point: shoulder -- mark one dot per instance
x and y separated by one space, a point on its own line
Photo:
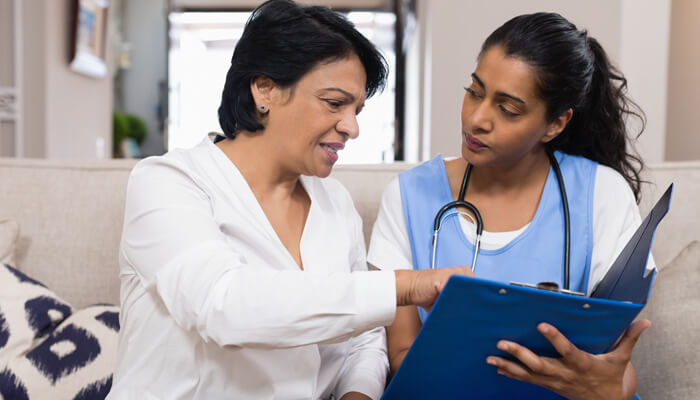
175 172
611 187
425 170
200 160
154 169
158 170
576 164
614 205
391 197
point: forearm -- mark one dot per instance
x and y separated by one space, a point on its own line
401 334
366 366
396 360
254 307
355 396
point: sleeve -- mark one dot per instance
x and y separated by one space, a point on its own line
176 248
615 219
389 247
366 368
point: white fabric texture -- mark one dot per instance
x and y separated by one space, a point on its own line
615 218
9 230
214 306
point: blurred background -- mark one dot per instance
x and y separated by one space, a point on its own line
93 79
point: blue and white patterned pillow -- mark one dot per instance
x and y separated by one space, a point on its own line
48 350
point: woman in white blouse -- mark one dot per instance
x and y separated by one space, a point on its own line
243 274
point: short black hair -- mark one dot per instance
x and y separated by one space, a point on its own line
283 41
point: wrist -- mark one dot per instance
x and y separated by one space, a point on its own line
403 287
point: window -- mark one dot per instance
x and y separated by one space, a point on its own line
201 46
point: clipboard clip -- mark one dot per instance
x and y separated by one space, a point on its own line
549 286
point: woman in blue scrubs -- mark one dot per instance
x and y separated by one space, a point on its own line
541 88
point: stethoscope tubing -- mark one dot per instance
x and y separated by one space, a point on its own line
480 223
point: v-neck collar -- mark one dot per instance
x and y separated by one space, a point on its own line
236 179
455 225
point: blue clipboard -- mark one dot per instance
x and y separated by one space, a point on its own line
448 358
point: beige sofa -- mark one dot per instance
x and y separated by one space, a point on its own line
70 217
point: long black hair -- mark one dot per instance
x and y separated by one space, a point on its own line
573 71
283 41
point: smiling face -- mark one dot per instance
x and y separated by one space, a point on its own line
308 125
503 120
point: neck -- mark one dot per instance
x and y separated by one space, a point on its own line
260 165
512 176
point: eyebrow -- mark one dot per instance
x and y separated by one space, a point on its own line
503 94
346 93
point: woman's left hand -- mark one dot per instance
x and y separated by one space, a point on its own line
577 374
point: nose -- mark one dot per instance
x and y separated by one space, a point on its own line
348 125
476 116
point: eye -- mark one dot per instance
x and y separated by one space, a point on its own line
335 104
473 93
507 112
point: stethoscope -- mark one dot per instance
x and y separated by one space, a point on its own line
480 223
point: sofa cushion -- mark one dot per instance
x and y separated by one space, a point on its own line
9 230
666 356
48 350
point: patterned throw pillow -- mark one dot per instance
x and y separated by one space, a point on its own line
9 230
48 350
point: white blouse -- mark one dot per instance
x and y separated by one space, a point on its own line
615 219
213 306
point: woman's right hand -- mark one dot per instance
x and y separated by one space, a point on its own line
421 288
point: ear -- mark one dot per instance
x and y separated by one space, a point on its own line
555 127
261 87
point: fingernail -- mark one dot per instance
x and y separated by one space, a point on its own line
490 361
503 346
544 328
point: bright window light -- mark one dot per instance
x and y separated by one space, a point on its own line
201 46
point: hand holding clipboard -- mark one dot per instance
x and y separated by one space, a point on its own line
447 359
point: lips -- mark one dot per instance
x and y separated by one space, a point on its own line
472 143
331 150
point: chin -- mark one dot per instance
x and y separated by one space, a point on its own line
321 171
467 155
475 159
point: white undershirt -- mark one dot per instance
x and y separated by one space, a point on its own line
615 219
213 306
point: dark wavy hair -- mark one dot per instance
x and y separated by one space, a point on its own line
283 41
573 71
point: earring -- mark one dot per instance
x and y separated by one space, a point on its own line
262 108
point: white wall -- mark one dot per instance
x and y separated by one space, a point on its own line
645 32
683 123
35 77
79 107
65 113
8 114
458 28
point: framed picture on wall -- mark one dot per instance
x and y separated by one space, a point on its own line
89 38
